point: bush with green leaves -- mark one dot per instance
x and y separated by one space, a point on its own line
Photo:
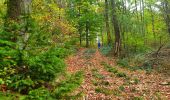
8 53
61 52
27 64
45 66
22 70
67 86
39 94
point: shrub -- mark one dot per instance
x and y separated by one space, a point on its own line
45 66
69 85
23 85
60 52
39 94
8 55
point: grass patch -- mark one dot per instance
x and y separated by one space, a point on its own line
137 98
121 88
89 51
105 50
136 80
96 74
116 92
69 85
11 96
104 91
121 74
109 68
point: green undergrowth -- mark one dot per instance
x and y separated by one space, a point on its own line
105 50
145 65
67 86
63 90
89 53
11 96
113 70
104 91
96 74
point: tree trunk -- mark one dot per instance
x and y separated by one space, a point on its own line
12 16
13 9
167 14
79 26
117 45
87 34
107 22
153 23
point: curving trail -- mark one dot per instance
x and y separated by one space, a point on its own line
102 84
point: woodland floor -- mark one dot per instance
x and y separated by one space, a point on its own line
102 83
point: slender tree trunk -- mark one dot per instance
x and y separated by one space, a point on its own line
123 29
107 22
117 45
87 34
102 37
79 26
167 14
79 30
153 23
136 6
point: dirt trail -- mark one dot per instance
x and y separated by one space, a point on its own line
102 84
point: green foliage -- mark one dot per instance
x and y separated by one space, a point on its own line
121 74
89 51
137 98
110 68
97 74
67 86
39 94
11 96
60 52
8 55
104 91
123 62
105 50
136 80
122 88
25 64
23 85
46 66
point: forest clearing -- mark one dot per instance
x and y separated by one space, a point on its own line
84 50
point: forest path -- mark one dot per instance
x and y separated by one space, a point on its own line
104 80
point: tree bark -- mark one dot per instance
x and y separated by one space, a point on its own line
153 22
12 17
167 14
87 34
13 9
107 22
117 45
